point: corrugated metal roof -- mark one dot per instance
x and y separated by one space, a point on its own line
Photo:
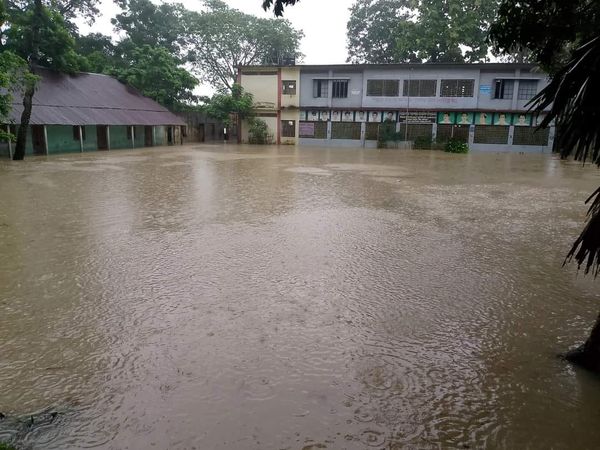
90 99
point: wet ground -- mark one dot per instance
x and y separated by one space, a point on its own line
262 298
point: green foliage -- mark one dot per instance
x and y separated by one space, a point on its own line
387 133
11 70
156 74
258 131
222 39
456 146
279 5
40 36
551 30
225 106
395 31
145 23
423 143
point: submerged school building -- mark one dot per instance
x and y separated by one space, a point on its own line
344 105
88 112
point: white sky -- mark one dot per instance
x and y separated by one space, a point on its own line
322 21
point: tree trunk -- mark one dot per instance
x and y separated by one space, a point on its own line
588 355
19 154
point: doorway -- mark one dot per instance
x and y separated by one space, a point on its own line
148 141
201 132
102 137
170 135
38 139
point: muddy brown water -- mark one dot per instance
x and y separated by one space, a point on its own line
215 297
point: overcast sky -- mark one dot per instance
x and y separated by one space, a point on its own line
323 23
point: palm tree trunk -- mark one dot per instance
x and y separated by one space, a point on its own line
588 355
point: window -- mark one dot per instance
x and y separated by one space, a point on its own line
530 136
383 88
76 133
288 128
504 89
340 89
320 88
527 89
289 87
419 88
457 88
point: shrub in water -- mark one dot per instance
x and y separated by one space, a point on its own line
258 131
456 146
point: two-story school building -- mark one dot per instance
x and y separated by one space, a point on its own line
344 105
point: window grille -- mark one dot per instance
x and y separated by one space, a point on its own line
527 89
530 136
320 88
419 88
340 89
504 89
457 88
289 87
491 134
345 130
288 128
383 88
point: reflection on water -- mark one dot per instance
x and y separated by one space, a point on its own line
211 297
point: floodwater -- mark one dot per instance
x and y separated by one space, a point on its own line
211 297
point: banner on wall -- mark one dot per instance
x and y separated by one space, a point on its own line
446 118
483 118
360 116
312 115
502 119
389 116
307 129
324 116
374 116
336 116
522 120
347 116
464 118
417 117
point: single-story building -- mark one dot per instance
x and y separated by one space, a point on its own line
87 112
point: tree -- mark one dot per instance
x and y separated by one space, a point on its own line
395 31
146 23
156 74
226 106
564 38
39 36
222 39
279 5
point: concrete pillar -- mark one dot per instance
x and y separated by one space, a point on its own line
9 143
471 134
132 136
329 130
434 132
108 137
551 138
80 140
153 135
45 139
511 134
363 131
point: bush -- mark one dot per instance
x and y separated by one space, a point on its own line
456 146
258 132
423 143
387 133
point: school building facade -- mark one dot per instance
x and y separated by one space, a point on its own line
88 112
344 105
